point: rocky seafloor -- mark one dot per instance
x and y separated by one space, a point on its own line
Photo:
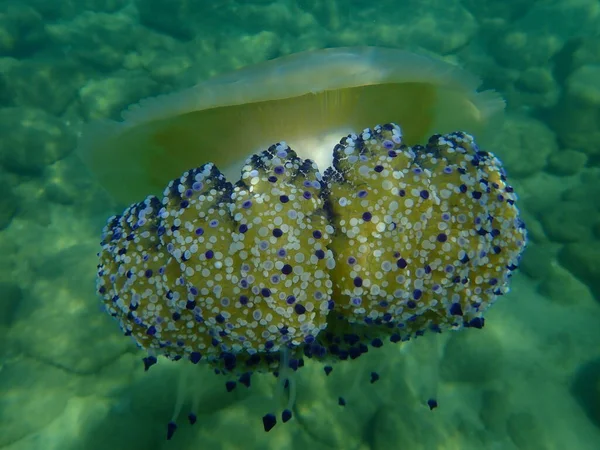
69 380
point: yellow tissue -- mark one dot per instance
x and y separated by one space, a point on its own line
307 99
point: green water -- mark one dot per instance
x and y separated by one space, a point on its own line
69 379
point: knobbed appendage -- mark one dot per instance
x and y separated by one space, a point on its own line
390 242
426 236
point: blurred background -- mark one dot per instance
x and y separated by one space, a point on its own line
70 380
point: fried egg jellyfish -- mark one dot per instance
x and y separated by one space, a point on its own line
405 230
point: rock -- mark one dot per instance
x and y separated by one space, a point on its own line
9 249
531 42
183 20
526 432
32 139
596 230
506 10
435 32
561 286
10 299
533 90
327 13
93 340
66 9
57 193
521 49
347 427
525 145
32 205
22 30
535 231
536 80
539 193
411 24
495 408
537 261
107 97
586 389
32 395
566 162
577 114
253 48
95 39
9 204
472 356
44 83
587 191
582 259
68 182
171 68
577 52
104 41
587 51
6 95
568 221
392 428
517 87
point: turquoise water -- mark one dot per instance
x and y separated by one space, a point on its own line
70 380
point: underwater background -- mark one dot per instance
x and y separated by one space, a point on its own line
69 379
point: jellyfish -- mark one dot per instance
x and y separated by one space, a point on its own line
383 237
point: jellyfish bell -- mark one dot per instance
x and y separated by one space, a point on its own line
308 99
